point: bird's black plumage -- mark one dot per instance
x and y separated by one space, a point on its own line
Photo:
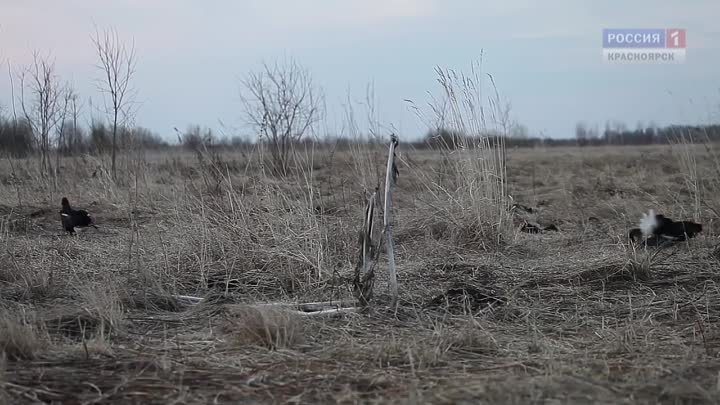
674 230
74 218
679 230
635 235
661 228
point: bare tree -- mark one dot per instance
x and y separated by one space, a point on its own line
66 103
282 103
75 140
41 97
117 63
581 133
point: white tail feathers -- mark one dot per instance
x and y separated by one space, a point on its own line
648 224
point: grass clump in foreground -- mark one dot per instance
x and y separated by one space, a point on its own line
264 326
18 339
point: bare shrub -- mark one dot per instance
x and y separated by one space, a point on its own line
283 104
41 96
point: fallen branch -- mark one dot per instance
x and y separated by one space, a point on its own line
193 300
304 309
324 312
311 306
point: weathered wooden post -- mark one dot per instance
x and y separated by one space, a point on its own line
390 181
365 268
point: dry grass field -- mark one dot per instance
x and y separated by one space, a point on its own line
572 316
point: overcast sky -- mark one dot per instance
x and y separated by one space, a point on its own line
545 56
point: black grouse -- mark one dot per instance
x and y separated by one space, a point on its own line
74 218
658 228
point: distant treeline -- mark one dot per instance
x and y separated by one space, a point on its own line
17 138
644 136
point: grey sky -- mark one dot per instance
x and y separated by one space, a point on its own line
545 55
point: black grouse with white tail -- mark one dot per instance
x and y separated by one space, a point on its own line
72 219
658 228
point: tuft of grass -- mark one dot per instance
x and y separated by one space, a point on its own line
262 326
642 261
639 266
415 353
471 190
98 345
473 338
102 306
18 339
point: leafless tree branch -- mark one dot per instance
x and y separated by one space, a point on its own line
41 96
117 63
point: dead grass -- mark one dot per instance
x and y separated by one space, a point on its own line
264 326
101 302
575 316
19 340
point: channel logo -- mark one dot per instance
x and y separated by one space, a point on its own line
644 45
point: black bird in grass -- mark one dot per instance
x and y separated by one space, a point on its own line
74 218
656 228
635 235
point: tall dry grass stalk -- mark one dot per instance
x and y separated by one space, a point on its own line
711 179
472 191
688 165
367 150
